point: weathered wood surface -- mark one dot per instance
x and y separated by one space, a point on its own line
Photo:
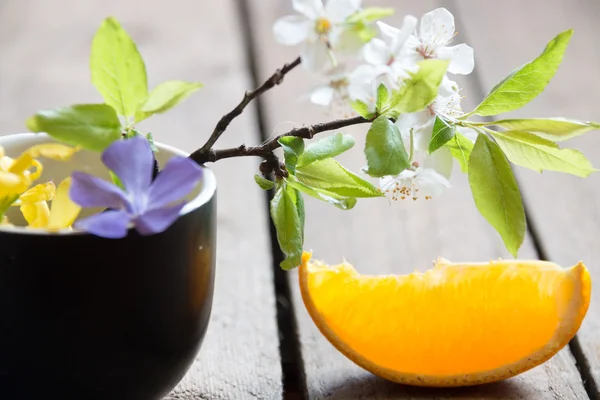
44 49
564 209
396 238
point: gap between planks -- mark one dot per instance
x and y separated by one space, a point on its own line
293 379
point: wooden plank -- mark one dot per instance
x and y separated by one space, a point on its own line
378 238
563 208
45 64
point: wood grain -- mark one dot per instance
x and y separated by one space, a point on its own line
564 209
378 237
44 48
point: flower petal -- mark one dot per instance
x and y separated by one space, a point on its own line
132 161
402 35
468 133
36 214
338 10
291 30
91 191
316 56
41 192
437 27
63 211
54 151
323 95
462 58
377 52
310 8
430 183
440 161
176 180
157 221
108 224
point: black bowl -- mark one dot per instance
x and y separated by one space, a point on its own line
82 317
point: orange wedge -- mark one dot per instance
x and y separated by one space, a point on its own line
454 325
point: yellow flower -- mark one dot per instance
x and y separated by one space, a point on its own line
17 175
61 214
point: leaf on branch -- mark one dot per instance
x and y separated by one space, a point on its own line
530 151
527 82
496 192
442 133
118 71
263 183
91 126
556 129
420 89
286 219
165 96
343 203
362 109
328 147
293 147
460 148
383 97
384 149
330 176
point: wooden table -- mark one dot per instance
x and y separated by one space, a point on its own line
261 342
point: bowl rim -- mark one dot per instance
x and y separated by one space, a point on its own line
207 192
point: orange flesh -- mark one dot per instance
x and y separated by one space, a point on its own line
451 320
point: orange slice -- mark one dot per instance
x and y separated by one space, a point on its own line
454 325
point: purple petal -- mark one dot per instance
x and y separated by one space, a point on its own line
158 220
90 191
176 180
108 224
133 162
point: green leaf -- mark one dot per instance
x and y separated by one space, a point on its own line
442 133
496 192
530 151
118 71
383 96
461 149
91 126
384 148
343 203
293 147
330 176
527 82
556 129
362 109
264 184
328 147
299 201
284 213
420 89
370 14
165 96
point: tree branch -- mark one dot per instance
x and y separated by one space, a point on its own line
274 80
265 150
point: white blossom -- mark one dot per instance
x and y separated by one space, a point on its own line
318 27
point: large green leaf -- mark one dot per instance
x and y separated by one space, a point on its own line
166 96
496 192
293 147
420 89
442 133
330 176
328 147
286 219
118 71
384 149
527 82
91 126
555 129
343 203
530 151
461 149
362 109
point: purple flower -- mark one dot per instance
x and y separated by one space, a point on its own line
146 204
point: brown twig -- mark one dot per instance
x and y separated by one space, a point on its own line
274 80
265 150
